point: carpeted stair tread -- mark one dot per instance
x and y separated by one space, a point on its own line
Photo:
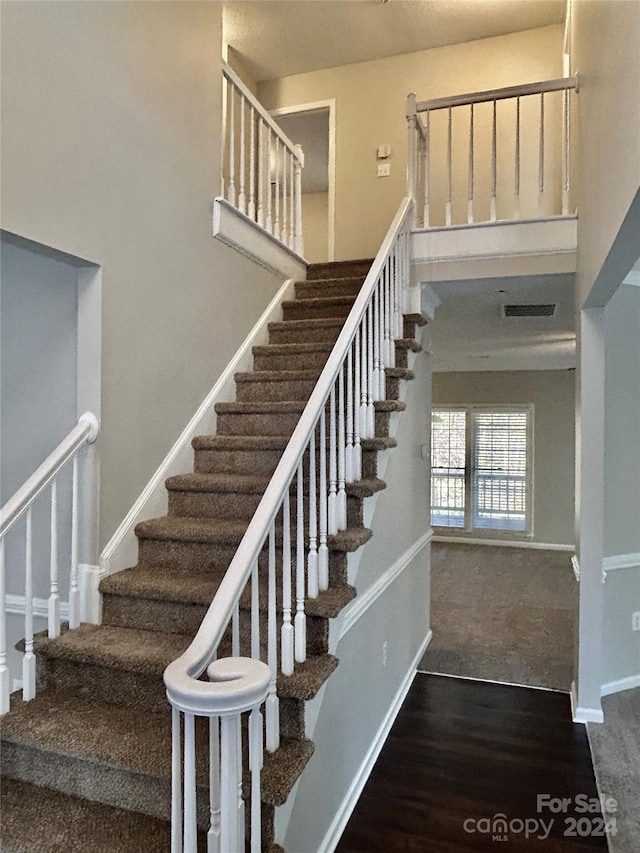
225 531
143 652
418 319
330 601
40 820
329 269
112 735
329 323
159 583
381 442
318 302
365 488
276 375
399 373
389 406
350 539
282 768
262 407
307 678
240 442
408 344
245 483
294 349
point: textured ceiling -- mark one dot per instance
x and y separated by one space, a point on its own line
280 37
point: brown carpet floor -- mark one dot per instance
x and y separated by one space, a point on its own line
502 614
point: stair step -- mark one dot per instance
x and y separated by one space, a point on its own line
305 331
307 678
331 269
267 385
39 820
317 307
113 665
282 769
258 418
341 286
310 356
238 454
215 495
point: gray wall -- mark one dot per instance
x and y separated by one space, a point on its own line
552 394
111 118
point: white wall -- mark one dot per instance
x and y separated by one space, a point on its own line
111 119
552 394
370 110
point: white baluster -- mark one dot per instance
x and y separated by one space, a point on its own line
300 622
390 349
252 163
235 632
213 835
517 166
255 763
242 198
54 597
228 784
276 159
565 153
348 456
286 637
470 200
332 523
541 159
190 819
232 146
342 495
255 611
269 222
74 589
371 429
5 689
364 371
299 247
29 660
261 173
377 363
312 560
427 190
323 550
272 708
449 172
240 824
494 164
382 384
356 454
176 783
285 197
292 204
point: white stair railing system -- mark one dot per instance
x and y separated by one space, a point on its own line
85 432
262 168
282 559
495 152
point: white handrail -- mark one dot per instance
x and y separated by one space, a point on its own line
539 88
84 432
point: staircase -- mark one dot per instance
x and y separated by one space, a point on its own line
87 764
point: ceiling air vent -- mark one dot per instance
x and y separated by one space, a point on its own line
548 310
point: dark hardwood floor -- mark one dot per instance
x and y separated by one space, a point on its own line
463 751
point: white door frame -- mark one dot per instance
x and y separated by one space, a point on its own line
330 103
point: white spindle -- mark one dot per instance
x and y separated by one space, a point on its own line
74 588
364 370
276 161
300 622
286 640
252 163
255 611
240 824
517 168
323 550
494 162
235 631
285 198
176 783
262 173
377 363
342 495
255 760
312 559
190 818
242 198
54 597
299 247
348 456
272 704
29 660
5 690
292 204
382 383
470 198
213 835
356 454
228 784
541 159
232 147
565 153
390 350
427 190
332 522
449 170
370 387
269 222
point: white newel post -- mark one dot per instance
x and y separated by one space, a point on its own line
411 115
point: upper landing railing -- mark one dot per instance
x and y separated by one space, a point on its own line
502 154
261 167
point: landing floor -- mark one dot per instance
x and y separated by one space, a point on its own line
462 752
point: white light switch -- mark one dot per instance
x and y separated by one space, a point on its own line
384 170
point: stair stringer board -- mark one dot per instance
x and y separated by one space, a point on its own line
347 719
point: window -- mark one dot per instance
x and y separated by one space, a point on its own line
481 469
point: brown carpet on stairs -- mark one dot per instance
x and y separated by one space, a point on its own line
86 765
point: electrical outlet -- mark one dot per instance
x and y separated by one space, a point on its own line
384 170
635 621
385 653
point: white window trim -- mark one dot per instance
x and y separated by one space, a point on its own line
468 531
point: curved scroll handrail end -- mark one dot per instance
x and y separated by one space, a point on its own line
236 685
92 422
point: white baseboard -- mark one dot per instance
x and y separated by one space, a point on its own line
121 550
620 685
621 561
338 824
581 714
504 543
